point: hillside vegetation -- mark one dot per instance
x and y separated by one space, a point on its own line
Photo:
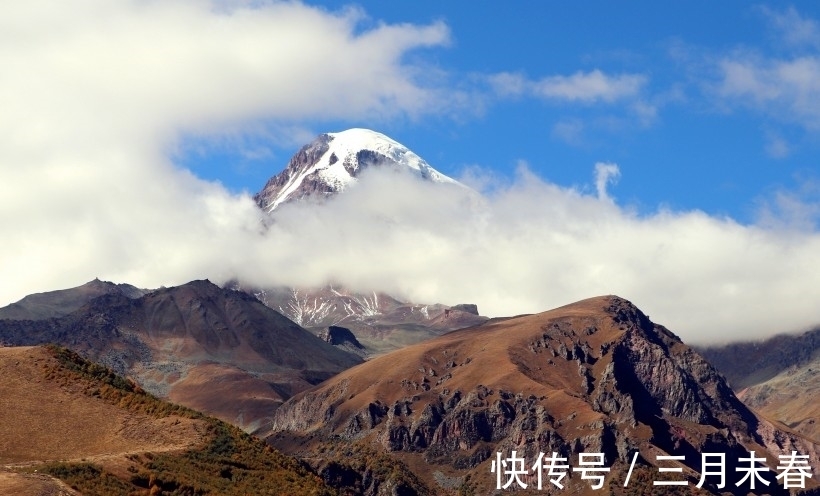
215 458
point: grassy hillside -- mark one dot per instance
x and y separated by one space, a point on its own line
224 460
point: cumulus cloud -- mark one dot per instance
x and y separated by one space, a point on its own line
532 245
96 95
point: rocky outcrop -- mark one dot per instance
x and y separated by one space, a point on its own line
344 339
337 335
466 307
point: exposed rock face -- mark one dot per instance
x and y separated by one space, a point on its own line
467 307
305 158
596 376
337 335
213 349
344 339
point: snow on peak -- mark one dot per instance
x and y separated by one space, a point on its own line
332 162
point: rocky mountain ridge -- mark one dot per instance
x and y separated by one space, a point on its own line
596 376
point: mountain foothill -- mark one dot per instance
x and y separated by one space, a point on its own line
244 388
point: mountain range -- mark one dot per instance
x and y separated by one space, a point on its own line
379 321
375 395
595 376
213 349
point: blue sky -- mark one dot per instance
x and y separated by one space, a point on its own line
681 139
665 152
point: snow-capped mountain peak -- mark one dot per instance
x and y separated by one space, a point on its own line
333 161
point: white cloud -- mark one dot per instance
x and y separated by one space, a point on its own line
583 87
96 95
786 89
792 209
624 92
590 87
784 86
531 246
509 84
776 146
605 173
793 27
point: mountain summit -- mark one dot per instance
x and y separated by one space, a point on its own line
333 161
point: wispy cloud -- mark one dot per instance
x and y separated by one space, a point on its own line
792 27
784 87
788 90
619 98
605 173
582 87
570 131
794 209
776 146
590 87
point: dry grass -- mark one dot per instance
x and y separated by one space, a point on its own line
103 435
44 416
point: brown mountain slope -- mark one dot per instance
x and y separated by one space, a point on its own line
595 376
216 350
791 397
64 301
44 419
779 377
19 484
101 434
